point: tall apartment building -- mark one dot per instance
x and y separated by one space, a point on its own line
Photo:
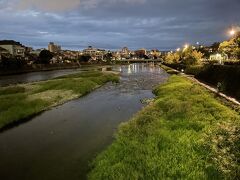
54 48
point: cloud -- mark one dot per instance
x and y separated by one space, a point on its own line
163 24
109 3
64 5
48 5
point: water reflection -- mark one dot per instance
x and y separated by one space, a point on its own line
150 67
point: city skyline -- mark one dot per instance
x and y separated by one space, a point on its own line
112 24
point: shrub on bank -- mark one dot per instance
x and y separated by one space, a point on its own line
234 63
194 70
177 66
12 63
228 76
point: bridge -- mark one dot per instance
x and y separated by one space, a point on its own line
142 60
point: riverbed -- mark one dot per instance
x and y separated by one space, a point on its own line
60 143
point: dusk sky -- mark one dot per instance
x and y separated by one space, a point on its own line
113 24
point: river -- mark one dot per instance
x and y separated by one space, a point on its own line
60 143
42 75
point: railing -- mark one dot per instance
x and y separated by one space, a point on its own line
141 60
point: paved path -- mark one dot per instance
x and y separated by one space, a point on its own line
211 89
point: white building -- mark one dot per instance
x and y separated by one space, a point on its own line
218 57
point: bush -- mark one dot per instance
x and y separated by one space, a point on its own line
12 62
84 58
194 70
177 66
236 63
228 76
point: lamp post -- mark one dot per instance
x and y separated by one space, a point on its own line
186 46
232 32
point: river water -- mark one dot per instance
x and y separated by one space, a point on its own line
60 143
42 75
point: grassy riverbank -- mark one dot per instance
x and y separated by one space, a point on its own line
22 101
185 134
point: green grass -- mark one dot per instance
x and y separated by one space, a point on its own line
185 134
22 101
169 70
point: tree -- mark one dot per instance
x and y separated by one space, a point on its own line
12 62
193 58
215 47
108 57
45 56
205 51
231 48
172 58
84 58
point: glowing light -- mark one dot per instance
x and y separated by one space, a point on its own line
178 49
186 46
232 32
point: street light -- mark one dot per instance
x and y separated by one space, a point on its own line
186 46
232 32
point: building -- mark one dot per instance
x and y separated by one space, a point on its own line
116 56
70 55
125 53
218 57
3 52
54 48
141 53
96 54
13 47
90 51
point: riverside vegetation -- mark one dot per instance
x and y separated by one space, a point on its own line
19 102
186 133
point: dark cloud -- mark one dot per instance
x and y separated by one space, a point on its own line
111 24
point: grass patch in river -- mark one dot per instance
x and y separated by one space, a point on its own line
185 134
22 101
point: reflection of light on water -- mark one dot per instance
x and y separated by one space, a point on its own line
141 68
133 68
129 69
